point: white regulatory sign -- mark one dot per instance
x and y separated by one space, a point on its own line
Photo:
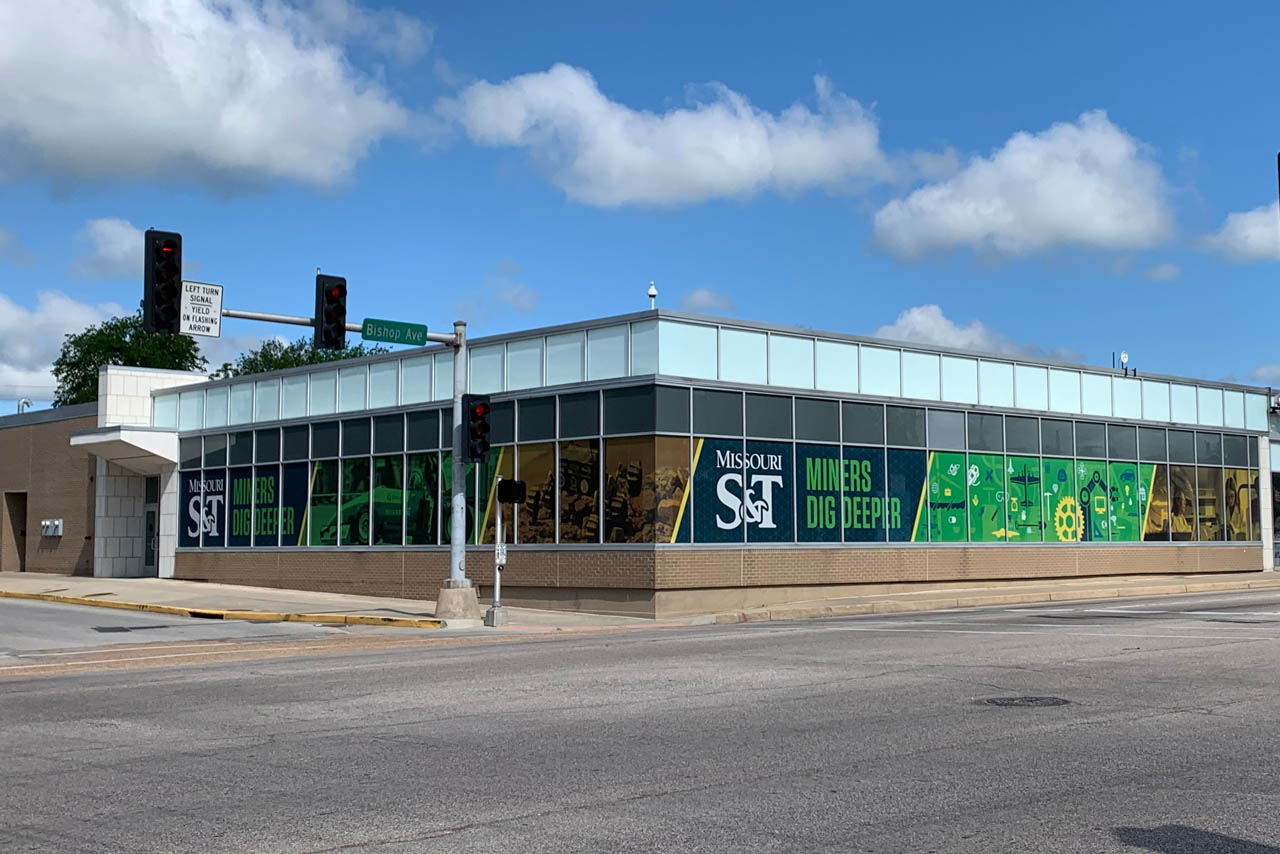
201 309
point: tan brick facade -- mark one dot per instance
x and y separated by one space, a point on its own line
39 468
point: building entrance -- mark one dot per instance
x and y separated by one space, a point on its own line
13 545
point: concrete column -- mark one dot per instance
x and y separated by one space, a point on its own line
167 528
1264 503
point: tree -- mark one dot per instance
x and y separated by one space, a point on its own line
275 354
117 341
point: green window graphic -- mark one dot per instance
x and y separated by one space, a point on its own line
267 515
863 509
818 493
986 498
1024 507
322 516
388 500
1127 495
947 517
422 473
355 503
1060 508
1091 486
1155 501
240 513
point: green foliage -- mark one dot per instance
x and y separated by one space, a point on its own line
118 341
275 354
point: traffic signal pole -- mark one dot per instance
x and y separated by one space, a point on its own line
458 505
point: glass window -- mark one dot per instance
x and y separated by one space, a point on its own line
1128 397
499 463
644 347
995 383
1255 413
215 407
1151 445
1031 387
1252 442
1235 450
297 443
267 405
921 376
164 411
293 400
718 490
607 352
1122 442
189 455
791 361
686 349
769 416
446 499
442 384
388 500
1182 446
214 488
959 379
629 410
986 432
717 412
1156 509
1022 434
324 439
1237 498
415 380
904 425
537 468
324 390
629 477
907 482
987 522
1091 480
1057 438
1209 504
1155 400
1209 404
818 420
1060 509
1233 409
579 491
1182 402
322 516
766 485
242 407
240 448
384 384
267 445
1126 509
670 487
836 366
564 358
672 409
191 410
215 450
295 481
881 372
744 356
355 529
1095 394
1208 448
524 364
353 388
580 414
1182 502
422 430
1026 519
1091 439
948 521
819 508
863 502
502 423
537 418
486 368
388 434
864 424
267 516
1064 390
355 438
421 498
946 429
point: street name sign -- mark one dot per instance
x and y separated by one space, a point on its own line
393 331
201 309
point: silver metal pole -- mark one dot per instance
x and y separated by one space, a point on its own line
499 549
458 532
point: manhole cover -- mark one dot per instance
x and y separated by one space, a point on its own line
1024 702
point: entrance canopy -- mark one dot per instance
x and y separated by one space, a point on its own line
142 450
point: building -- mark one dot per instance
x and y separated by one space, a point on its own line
675 464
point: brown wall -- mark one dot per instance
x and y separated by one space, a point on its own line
58 480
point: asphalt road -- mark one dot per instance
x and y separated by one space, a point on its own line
853 735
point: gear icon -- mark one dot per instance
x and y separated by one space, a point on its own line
1066 520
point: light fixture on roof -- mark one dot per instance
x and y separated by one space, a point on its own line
653 296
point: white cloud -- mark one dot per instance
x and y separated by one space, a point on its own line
1083 183
1249 236
706 300
926 324
502 290
225 91
1268 373
113 250
1163 273
12 250
30 339
605 153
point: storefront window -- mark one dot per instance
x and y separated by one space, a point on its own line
717 491
214 525
1209 504
670 486
1024 507
1091 482
580 491
355 527
1236 500
322 515
1182 503
422 484
295 481
630 503
388 500
266 508
906 479
240 518
948 521
1061 506
536 465
862 505
500 462
190 508
446 499
1126 511
987 523
767 493
1156 512
818 504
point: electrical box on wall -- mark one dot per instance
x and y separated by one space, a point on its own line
51 527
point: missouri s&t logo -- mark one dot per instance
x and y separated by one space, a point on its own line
755 506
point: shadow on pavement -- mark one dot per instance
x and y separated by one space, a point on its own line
1179 839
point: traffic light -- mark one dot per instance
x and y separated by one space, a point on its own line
161 281
476 423
331 312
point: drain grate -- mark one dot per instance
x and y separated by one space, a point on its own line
1024 702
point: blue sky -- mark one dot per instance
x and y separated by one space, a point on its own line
1070 181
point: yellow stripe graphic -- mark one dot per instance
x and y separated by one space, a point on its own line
688 488
924 494
306 510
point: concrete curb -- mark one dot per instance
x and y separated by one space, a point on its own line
971 600
228 614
